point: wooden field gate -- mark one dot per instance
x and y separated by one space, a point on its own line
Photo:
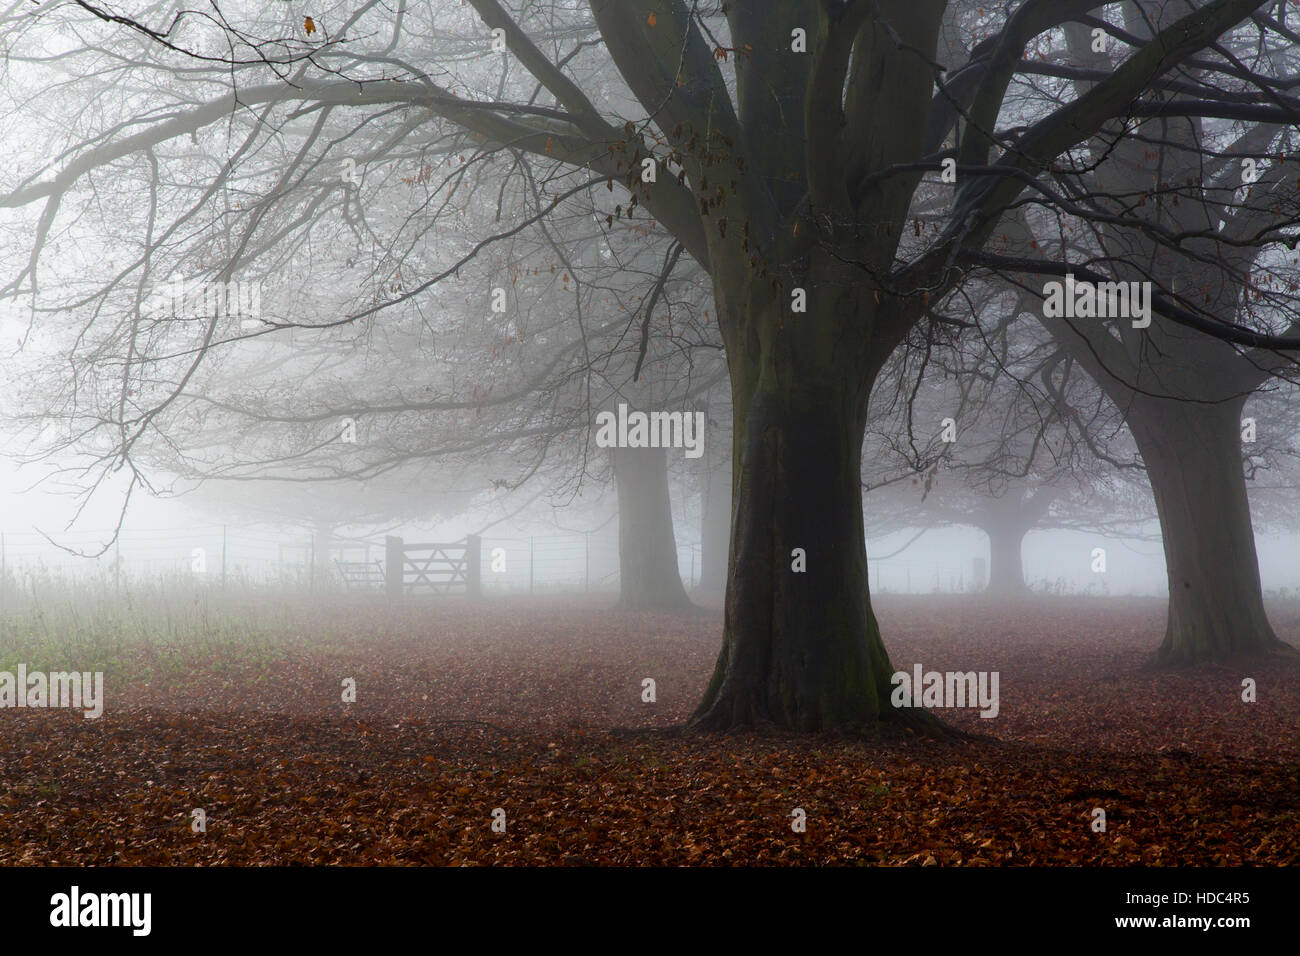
433 568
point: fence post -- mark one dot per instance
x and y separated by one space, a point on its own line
474 566
394 566
586 561
530 565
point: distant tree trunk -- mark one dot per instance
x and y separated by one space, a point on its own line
1006 520
715 532
647 548
1006 567
1193 458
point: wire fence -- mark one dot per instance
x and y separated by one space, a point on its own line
910 577
209 555
260 559
263 559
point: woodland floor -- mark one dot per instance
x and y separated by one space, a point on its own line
534 706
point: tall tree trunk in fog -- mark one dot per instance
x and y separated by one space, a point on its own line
793 248
715 529
1192 453
1182 391
647 547
806 335
801 646
1006 568
1193 458
1006 520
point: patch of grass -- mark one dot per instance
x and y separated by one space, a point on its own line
152 634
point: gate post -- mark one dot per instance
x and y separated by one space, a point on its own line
394 567
474 566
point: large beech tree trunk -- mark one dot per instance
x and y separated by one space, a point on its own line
1193 458
647 547
800 648
799 236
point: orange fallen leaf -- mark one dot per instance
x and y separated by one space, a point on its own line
309 25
